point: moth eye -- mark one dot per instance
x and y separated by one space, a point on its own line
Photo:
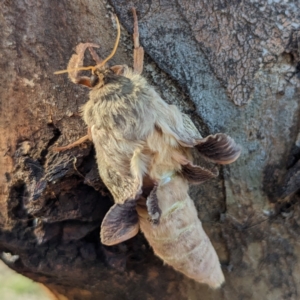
108 72
94 80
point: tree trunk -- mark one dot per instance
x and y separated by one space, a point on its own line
232 66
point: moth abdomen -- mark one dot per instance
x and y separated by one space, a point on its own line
179 239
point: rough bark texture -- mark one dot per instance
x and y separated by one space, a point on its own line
232 65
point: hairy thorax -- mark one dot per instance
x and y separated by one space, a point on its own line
125 108
120 104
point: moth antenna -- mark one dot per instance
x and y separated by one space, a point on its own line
93 68
75 69
115 47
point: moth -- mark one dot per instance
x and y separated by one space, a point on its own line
143 150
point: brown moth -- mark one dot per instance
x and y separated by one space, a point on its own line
143 149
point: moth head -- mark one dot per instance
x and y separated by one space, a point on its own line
98 72
110 76
97 77
100 77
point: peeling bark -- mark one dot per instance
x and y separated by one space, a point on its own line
232 66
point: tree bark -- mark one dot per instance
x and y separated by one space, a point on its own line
233 66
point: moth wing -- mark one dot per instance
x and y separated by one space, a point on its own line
219 148
119 224
197 174
193 173
114 159
173 122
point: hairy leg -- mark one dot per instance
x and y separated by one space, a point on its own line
76 62
83 139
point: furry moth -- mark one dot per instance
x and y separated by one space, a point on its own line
143 150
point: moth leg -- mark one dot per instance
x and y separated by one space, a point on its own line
120 223
138 52
85 138
76 61
152 206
